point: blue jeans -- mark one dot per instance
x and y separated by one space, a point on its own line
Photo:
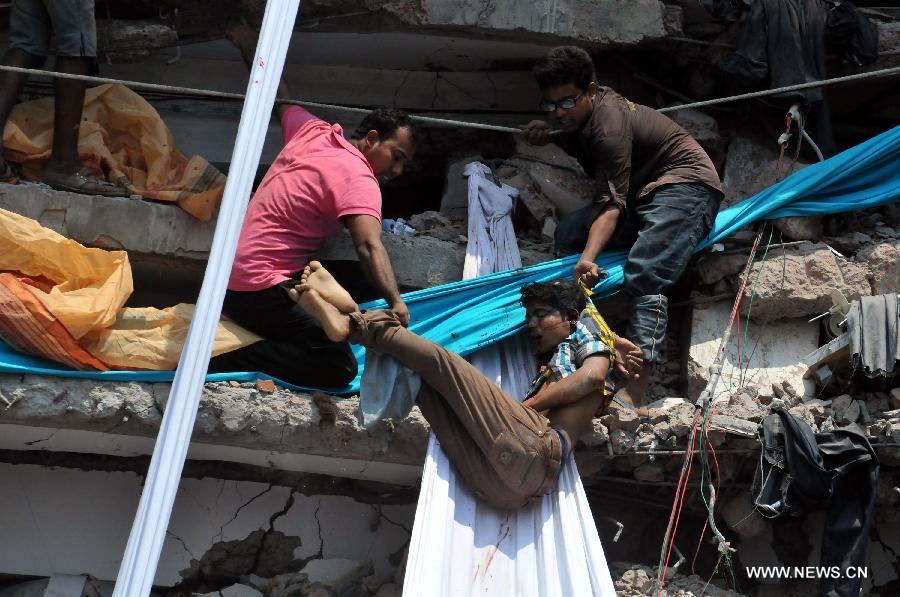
660 232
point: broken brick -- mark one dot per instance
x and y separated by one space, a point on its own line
266 386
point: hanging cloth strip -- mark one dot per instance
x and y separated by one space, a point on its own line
468 315
874 327
550 548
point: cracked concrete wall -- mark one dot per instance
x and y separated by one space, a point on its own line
134 225
77 522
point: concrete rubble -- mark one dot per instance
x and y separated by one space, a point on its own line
796 282
568 19
635 580
235 415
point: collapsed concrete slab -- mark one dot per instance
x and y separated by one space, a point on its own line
797 281
599 22
883 264
134 225
593 22
230 414
590 22
548 175
750 167
770 354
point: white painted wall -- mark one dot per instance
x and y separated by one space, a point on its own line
771 353
76 522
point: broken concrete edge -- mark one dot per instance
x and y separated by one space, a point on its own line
108 222
565 22
229 414
239 415
364 491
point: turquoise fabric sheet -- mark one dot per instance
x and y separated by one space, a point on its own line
468 315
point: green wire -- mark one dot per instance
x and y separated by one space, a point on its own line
753 294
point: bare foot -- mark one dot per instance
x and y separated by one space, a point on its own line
633 393
320 279
335 323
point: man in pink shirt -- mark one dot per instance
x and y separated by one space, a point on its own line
320 184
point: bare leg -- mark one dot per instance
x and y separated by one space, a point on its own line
320 279
11 85
67 115
63 170
633 392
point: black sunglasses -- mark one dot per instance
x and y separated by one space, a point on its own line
566 103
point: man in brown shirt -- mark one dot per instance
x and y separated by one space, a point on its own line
657 192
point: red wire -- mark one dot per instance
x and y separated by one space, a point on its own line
787 130
718 479
681 488
672 515
740 354
680 492
699 545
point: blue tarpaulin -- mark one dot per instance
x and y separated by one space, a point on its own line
468 315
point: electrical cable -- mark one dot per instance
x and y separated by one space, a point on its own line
429 119
675 513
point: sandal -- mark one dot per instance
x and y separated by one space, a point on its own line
8 174
84 182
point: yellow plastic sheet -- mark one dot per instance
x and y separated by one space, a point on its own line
123 139
85 289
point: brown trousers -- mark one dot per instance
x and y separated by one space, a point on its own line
506 453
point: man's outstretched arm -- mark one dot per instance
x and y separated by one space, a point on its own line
589 377
586 270
365 231
244 39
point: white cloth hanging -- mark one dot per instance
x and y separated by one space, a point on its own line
460 547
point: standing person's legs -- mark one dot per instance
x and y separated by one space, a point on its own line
674 219
294 348
505 451
75 31
29 30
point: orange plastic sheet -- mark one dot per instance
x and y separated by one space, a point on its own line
63 301
123 139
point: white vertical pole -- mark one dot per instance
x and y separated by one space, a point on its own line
145 542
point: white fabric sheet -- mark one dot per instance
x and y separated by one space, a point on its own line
460 547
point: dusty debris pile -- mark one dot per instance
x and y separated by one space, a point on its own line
633 580
670 420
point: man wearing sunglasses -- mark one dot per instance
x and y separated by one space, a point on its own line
657 192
